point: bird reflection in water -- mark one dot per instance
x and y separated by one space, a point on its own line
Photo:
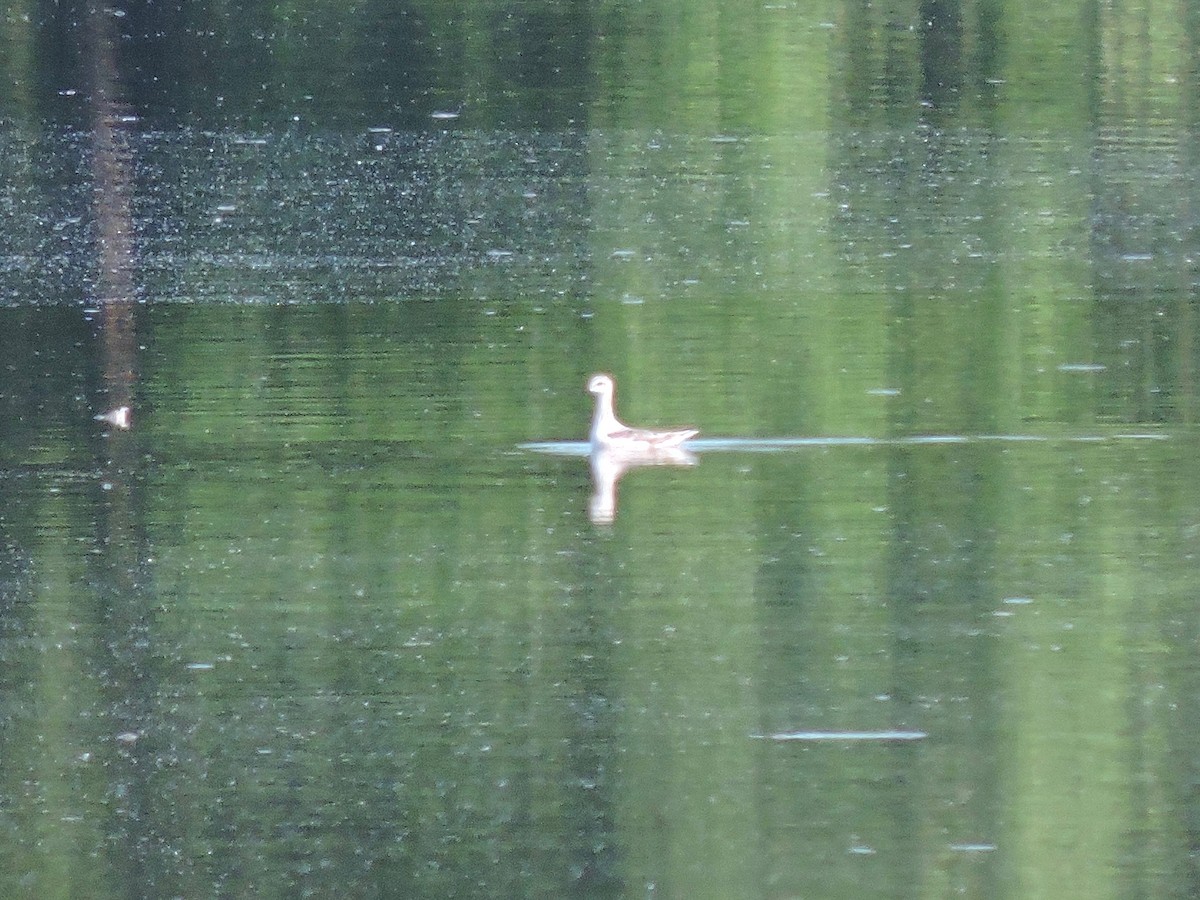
608 466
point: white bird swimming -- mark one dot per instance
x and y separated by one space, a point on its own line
610 434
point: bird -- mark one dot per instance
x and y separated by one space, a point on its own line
609 434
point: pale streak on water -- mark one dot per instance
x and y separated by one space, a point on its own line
817 736
783 444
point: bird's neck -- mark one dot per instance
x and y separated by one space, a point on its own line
605 420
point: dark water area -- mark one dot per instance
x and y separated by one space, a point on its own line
518 66
310 584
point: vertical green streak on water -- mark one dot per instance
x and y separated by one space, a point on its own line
542 678
938 586
1044 65
1047 225
1053 321
686 651
815 339
826 614
1070 665
1168 681
17 41
55 870
657 65
1139 49
65 797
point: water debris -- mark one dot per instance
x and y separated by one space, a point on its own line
121 417
884 392
1082 367
840 736
622 254
443 115
199 666
973 848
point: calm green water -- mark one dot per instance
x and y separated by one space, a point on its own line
346 613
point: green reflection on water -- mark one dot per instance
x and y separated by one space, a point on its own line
306 621
317 622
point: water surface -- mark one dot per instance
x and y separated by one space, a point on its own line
337 614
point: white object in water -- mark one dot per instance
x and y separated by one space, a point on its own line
609 433
117 418
608 467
